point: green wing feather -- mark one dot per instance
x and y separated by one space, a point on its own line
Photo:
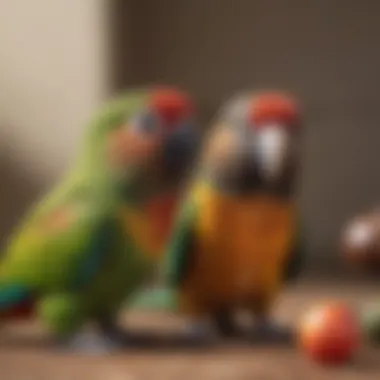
44 260
157 299
180 253
175 266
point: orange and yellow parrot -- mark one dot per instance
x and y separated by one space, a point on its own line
237 238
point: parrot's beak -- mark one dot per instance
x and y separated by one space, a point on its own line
271 149
179 150
125 148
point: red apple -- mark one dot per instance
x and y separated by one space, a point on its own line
330 333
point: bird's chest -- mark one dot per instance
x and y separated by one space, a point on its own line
127 264
243 242
140 230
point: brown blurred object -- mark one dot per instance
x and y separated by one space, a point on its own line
360 242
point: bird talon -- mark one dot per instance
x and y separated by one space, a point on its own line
200 333
270 332
91 344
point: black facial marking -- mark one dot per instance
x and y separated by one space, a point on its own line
179 151
246 179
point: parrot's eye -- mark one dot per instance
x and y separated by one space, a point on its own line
146 122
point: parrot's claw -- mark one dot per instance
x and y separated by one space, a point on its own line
226 326
113 332
200 333
269 332
90 344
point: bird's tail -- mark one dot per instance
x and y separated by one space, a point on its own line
15 302
157 299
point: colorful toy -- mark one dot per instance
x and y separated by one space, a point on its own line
360 242
88 244
330 333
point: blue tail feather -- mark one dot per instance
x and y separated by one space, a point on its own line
12 295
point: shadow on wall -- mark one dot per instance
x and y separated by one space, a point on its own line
18 190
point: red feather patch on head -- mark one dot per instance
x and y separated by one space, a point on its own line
274 106
171 104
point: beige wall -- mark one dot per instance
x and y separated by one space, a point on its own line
325 51
53 73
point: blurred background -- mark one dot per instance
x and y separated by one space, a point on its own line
59 59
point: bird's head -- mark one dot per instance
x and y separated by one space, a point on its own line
151 133
256 140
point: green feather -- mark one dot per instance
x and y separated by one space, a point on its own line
11 295
178 258
158 299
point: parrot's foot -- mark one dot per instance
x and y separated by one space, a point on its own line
113 332
270 332
200 332
90 344
225 325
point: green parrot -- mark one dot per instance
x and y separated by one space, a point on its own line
238 236
87 246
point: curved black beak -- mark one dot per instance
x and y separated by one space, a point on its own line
179 152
